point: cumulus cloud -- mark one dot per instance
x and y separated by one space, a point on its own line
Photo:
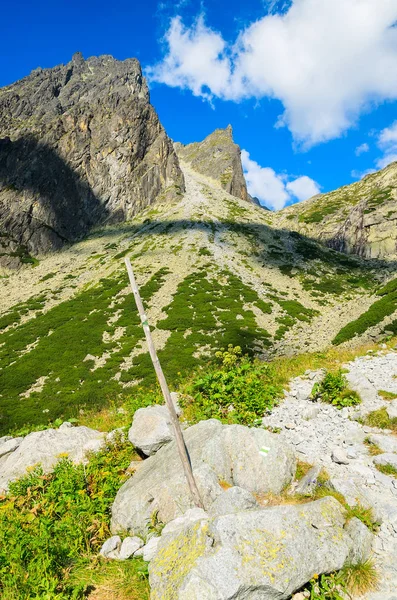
362 149
273 190
326 61
387 142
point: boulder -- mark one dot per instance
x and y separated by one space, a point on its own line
151 428
10 445
339 456
253 459
233 500
265 553
45 448
149 550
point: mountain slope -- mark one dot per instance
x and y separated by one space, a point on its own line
357 219
213 270
80 144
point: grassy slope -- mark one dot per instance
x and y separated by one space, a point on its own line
212 270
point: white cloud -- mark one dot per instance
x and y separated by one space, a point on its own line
362 149
272 189
387 142
325 60
303 188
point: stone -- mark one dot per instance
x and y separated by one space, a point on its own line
339 456
80 144
386 443
151 428
269 553
190 517
109 547
253 459
308 482
233 500
391 409
129 546
45 448
149 550
386 459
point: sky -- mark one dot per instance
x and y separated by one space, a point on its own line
309 86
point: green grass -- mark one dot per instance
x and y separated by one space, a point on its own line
334 390
79 324
52 527
380 309
387 470
387 395
380 418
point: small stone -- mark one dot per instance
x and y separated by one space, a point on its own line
110 546
339 456
65 425
148 551
129 546
290 426
392 410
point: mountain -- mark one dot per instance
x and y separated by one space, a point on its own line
213 269
217 157
80 144
357 219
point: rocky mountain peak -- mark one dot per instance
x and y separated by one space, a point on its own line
80 144
218 157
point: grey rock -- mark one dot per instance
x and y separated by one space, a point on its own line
392 409
110 546
339 456
386 443
253 459
266 553
308 483
149 551
10 445
190 517
386 459
129 546
217 157
80 144
44 448
233 500
151 428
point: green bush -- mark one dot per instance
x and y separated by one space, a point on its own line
237 390
52 525
333 389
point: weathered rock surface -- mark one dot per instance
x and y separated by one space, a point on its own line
45 448
386 459
265 553
219 453
79 144
152 428
358 219
217 157
233 500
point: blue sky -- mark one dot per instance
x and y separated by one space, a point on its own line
309 86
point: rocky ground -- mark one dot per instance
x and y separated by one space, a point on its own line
326 436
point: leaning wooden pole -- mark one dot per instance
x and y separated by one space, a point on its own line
180 442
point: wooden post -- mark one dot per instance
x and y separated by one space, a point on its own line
180 442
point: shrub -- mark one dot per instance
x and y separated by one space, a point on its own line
52 525
333 390
237 390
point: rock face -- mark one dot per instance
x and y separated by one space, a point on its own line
266 553
357 219
44 448
80 144
252 459
217 157
151 428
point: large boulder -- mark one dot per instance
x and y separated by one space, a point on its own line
253 459
266 553
45 448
